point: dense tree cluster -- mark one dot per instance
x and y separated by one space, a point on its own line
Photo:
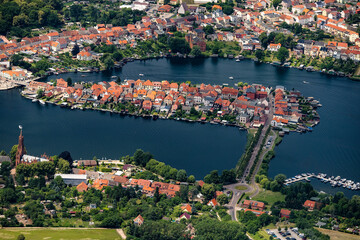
18 17
253 223
227 177
286 41
91 15
211 229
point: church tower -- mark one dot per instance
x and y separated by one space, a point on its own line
21 149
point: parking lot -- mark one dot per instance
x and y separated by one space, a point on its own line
290 234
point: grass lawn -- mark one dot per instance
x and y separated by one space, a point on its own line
335 235
260 235
269 196
252 131
59 234
240 188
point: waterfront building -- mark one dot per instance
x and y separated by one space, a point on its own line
73 179
22 157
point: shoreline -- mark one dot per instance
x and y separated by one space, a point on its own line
145 116
123 62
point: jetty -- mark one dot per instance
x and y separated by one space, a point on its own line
334 181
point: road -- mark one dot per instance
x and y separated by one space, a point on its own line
252 186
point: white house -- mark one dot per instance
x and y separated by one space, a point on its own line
84 56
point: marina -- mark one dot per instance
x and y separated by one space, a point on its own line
334 181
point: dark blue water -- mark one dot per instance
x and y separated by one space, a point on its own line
332 148
197 148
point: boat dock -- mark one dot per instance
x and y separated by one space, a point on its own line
334 181
298 178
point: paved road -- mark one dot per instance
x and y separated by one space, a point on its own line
252 187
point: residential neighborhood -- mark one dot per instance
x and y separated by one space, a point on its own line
245 26
244 106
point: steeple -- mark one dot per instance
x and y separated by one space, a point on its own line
21 149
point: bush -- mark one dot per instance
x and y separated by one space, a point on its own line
105 170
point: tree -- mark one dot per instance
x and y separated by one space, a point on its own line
76 12
69 81
191 179
213 177
40 93
57 184
63 166
21 237
222 199
156 195
181 175
228 176
177 44
280 178
117 56
108 62
75 49
3 153
264 40
196 51
208 29
228 10
42 65
5 169
12 153
7 195
208 190
111 222
259 54
276 3
67 156
282 54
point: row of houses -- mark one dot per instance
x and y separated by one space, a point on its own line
80 178
247 102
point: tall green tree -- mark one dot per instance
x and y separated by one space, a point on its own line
282 54
181 175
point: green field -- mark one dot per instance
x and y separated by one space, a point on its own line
336 235
59 234
269 196
260 235
240 188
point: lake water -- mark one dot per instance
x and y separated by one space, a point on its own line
332 148
197 148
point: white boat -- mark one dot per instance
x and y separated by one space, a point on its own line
42 102
141 75
305 82
34 100
113 76
237 60
231 78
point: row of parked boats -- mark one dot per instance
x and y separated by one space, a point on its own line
339 182
334 181
42 102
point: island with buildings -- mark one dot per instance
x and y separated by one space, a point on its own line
245 106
